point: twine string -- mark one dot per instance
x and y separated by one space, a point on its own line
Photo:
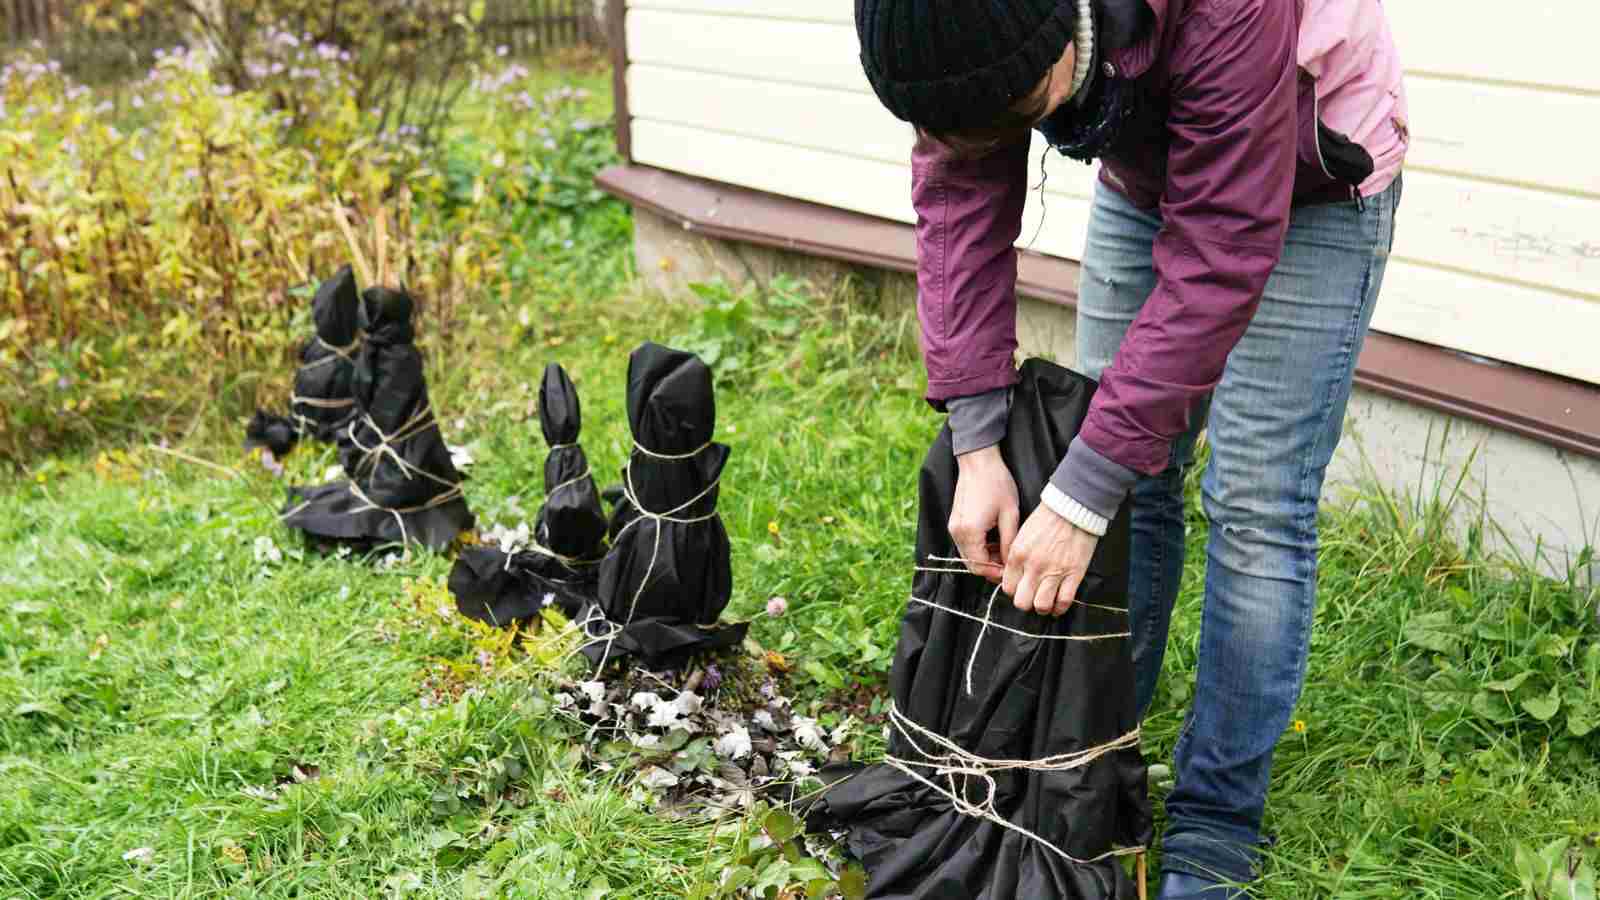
987 620
955 765
960 561
631 496
345 352
373 456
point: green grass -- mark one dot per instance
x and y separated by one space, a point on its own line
293 728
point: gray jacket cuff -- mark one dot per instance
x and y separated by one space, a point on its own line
1093 480
979 421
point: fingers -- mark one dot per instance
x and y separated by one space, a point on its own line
1010 523
1066 594
972 541
1015 566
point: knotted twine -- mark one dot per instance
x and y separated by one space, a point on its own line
346 353
955 764
987 619
371 457
671 515
952 762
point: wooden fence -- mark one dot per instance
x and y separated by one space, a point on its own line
528 27
524 27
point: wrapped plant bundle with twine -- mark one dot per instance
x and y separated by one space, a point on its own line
401 485
561 563
1013 767
667 577
321 403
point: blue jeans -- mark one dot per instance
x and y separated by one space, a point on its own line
1274 421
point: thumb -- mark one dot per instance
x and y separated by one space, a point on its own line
1010 522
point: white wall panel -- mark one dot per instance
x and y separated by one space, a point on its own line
1498 247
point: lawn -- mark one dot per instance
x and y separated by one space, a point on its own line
190 706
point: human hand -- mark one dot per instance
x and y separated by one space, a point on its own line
1047 563
986 498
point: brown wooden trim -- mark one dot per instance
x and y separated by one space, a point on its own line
617 35
1546 408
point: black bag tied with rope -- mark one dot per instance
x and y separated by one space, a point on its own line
402 486
1013 767
502 585
320 403
668 576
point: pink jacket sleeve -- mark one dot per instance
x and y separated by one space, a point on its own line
969 214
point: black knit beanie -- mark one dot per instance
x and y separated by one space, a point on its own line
945 65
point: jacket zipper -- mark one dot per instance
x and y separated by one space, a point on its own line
1316 116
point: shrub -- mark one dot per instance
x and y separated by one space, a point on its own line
156 243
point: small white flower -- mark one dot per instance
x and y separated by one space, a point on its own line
735 744
595 691
460 457
665 715
645 700
333 473
140 854
267 551
765 720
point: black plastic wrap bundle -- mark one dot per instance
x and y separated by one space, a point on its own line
493 585
321 403
402 486
972 701
667 576
571 523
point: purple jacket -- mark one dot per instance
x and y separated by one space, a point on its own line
1246 84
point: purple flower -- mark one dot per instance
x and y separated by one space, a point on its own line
501 50
270 463
713 678
63 383
777 606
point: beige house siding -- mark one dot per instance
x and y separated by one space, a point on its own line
1498 252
